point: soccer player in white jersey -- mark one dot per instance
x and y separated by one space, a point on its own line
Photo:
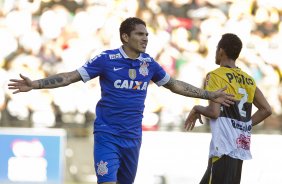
230 126
124 74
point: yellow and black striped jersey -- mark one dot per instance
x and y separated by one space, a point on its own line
240 84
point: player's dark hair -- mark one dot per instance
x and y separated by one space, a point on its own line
128 25
231 44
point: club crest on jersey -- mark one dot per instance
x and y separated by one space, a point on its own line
102 168
143 70
132 74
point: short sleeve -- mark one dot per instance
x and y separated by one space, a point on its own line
92 68
160 77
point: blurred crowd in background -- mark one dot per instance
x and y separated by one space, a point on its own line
44 37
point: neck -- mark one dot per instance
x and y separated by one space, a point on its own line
228 63
130 53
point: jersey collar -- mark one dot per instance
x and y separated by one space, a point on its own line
126 56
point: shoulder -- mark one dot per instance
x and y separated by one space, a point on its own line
219 70
147 58
248 78
213 73
108 54
113 54
246 74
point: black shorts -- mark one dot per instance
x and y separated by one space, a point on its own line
223 170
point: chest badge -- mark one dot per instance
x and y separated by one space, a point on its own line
143 70
132 74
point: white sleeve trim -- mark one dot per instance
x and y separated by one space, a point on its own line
164 80
83 73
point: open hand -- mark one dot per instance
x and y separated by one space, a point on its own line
223 98
20 85
191 120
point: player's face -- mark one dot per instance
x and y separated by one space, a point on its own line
138 39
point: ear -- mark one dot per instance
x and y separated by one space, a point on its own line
221 52
124 37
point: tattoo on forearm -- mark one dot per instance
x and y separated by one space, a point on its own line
206 95
191 90
49 81
185 89
194 92
197 92
40 83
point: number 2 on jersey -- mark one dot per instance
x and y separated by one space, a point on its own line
243 100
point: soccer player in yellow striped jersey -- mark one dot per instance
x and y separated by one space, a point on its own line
230 126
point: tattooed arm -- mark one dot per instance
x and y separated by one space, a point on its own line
54 81
185 89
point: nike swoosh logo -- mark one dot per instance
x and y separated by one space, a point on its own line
116 69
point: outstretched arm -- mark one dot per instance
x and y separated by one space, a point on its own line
62 79
189 90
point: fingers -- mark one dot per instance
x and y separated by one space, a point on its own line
19 80
16 83
192 125
229 102
226 104
13 87
191 121
226 99
186 124
189 125
223 89
23 77
20 85
200 119
17 91
13 84
230 95
14 80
